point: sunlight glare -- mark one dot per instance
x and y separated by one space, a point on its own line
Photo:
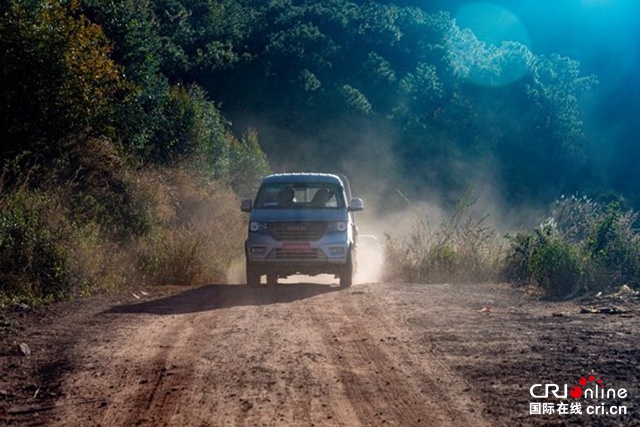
492 24
482 45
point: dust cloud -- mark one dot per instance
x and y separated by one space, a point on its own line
394 203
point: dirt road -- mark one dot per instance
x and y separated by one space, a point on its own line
317 355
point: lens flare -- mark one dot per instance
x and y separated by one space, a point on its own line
492 24
488 45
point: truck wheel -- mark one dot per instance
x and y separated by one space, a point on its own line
253 276
346 278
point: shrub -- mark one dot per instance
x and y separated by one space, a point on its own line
581 247
573 216
516 267
614 247
98 262
197 227
193 235
556 265
461 249
35 232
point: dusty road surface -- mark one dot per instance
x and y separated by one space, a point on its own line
302 354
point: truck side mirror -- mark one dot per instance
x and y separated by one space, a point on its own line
356 204
246 205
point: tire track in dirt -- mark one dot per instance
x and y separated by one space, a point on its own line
141 373
285 379
304 354
387 377
170 372
295 355
134 375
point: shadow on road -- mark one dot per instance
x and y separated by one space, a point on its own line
213 297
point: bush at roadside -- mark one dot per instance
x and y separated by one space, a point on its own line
189 231
582 247
461 249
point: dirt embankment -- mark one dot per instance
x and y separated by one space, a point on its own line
314 354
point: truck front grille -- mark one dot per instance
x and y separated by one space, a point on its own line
297 231
310 254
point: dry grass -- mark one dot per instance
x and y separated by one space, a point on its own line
197 232
189 231
462 249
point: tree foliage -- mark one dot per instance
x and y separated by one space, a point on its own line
174 82
303 67
114 69
58 77
293 69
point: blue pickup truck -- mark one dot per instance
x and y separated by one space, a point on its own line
301 223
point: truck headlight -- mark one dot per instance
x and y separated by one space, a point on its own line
338 226
257 227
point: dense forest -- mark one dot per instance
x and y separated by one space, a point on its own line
326 84
348 83
98 96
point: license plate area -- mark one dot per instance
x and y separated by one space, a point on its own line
293 247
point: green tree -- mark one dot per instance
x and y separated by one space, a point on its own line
138 47
58 77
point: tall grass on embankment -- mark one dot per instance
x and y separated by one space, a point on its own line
460 249
146 226
579 247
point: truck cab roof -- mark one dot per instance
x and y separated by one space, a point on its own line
302 177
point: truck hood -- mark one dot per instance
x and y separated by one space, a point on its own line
273 215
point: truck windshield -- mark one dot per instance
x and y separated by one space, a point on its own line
300 196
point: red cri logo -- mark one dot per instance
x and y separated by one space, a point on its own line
576 391
588 388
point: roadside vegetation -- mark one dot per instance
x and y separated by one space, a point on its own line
163 225
463 248
112 175
127 139
580 247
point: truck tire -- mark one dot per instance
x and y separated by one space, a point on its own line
346 278
253 276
